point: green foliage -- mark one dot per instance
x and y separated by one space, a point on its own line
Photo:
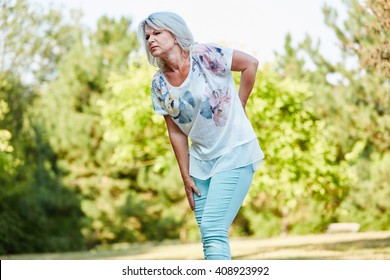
32 40
366 33
352 98
300 168
369 202
33 203
37 213
7 160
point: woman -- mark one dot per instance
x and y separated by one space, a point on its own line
195 92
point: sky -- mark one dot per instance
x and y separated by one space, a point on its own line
254 26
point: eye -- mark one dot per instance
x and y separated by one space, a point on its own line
157 32
147 37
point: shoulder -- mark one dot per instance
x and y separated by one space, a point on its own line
158 82
205 49
157 74
213 57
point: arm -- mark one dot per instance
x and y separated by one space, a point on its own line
247 65
179 143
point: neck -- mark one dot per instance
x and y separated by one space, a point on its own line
176 61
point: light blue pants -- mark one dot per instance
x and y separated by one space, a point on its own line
221 198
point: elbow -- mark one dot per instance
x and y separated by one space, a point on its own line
251 66
255 63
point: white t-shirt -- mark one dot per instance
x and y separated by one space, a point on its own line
207 108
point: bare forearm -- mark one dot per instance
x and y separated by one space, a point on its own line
247 65
248 78
179 143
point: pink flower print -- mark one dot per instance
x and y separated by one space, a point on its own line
218 104
218 96
212 58
220 114
214 62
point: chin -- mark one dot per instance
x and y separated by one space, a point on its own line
155 53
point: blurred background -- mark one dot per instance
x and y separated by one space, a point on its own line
84 161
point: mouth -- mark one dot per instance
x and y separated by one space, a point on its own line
153 48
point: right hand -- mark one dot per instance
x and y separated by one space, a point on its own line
190 189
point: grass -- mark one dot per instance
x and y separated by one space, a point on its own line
346 246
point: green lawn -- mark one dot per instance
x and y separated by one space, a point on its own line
349 246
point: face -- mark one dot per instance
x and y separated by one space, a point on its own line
159 42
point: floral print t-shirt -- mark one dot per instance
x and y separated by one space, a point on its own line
207 108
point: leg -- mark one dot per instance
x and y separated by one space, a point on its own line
226 193
200 201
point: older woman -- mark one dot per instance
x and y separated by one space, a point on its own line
195 92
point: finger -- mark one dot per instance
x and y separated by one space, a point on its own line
195 189
190 199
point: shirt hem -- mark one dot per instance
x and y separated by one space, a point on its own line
255 165
227 150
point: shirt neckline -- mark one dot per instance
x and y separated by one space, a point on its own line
185 81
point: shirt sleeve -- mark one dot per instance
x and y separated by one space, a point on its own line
158 94
227 54
215 58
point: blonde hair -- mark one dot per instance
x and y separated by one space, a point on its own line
166 21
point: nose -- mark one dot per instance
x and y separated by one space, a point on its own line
150 39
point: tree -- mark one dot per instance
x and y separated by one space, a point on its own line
352 97
33 39
72 116
37 212
366 33
300 172
33 203
8 161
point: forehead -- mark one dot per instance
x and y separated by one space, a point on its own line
149 29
